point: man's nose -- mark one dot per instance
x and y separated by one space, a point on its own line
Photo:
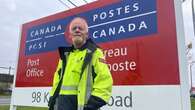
77 30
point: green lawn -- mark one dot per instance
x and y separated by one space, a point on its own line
38 108
193 103
23 108
2 94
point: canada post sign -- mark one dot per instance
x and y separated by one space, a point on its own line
117 21
130 32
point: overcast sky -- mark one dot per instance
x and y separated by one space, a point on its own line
13 14
16 12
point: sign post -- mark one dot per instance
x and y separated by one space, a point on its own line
142 41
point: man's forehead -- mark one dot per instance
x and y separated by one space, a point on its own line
78 21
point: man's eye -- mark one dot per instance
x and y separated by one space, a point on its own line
74 28
77 27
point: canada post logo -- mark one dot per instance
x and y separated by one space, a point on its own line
118 21
45 37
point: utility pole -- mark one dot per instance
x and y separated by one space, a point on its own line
9 70
193 15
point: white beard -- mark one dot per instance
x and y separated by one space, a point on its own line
78 41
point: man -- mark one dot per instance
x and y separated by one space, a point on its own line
82 87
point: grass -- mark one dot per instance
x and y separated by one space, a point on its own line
32 108
6 107
2 107
4 94
39 108
193 103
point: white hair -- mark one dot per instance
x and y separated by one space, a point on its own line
86 24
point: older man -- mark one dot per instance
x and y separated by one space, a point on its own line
82 80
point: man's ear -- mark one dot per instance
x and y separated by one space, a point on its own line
87 34
67 35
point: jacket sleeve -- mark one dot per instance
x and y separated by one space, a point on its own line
102 86
56 78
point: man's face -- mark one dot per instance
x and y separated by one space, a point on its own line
78 32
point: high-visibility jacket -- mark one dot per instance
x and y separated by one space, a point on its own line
96 79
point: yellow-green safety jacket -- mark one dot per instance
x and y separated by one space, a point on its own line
96 79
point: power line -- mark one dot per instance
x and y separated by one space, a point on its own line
6 67
72 3
64 3
85 1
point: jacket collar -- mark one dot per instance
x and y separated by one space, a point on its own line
87 44
90 45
